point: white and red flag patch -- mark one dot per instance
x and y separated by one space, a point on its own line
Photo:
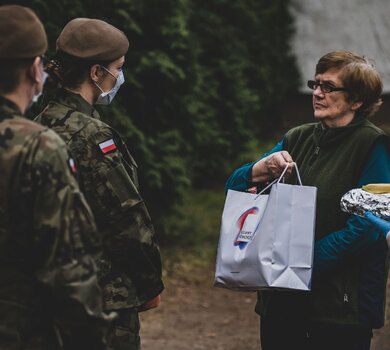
107 146
72 165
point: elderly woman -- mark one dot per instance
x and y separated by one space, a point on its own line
88 66
341 151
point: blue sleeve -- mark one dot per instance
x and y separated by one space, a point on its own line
359 233
241 178
377 169
349 241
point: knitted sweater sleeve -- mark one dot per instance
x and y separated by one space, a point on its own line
359 233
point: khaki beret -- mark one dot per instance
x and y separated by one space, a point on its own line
92 39
22 34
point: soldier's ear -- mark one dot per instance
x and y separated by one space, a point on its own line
96 73
34 72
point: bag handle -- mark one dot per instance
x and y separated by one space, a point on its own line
280 178
296 169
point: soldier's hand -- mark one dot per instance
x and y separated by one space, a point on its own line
151 304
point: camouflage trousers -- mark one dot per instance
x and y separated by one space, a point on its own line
125 333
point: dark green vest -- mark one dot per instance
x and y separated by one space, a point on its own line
332 160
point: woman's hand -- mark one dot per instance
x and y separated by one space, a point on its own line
382 225
271 167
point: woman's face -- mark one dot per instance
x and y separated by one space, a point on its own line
108 81
333 108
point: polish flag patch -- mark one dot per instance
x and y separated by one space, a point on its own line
72 165
107 146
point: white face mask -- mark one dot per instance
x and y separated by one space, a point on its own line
105 98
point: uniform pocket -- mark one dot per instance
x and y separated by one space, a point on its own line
86 232
123 187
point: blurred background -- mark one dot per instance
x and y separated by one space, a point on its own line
211 85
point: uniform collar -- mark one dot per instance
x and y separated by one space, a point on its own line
8 109
77 102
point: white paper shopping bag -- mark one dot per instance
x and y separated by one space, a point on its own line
266 241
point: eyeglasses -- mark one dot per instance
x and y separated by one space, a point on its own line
325 87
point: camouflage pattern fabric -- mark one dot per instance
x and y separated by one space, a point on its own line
49 294
130 265
125 334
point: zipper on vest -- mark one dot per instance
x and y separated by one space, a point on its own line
315 154
345 305
345 299
317 144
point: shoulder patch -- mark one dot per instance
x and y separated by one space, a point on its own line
107 146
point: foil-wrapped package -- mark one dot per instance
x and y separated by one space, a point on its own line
358 201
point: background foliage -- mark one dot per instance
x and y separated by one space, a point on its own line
203 80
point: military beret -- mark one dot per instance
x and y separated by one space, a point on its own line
22 34
92 39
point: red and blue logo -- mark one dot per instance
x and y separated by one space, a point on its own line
244 236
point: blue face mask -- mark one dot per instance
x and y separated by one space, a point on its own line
105 98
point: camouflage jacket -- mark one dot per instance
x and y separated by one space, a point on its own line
130 264
49 294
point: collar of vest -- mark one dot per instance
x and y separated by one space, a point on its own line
324 136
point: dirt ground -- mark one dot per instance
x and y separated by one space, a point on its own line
194 315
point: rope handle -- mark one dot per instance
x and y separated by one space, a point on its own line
296 169
280 178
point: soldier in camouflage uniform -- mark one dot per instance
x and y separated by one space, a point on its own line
49 294
88 65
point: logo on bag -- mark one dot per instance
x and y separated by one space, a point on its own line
247 224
